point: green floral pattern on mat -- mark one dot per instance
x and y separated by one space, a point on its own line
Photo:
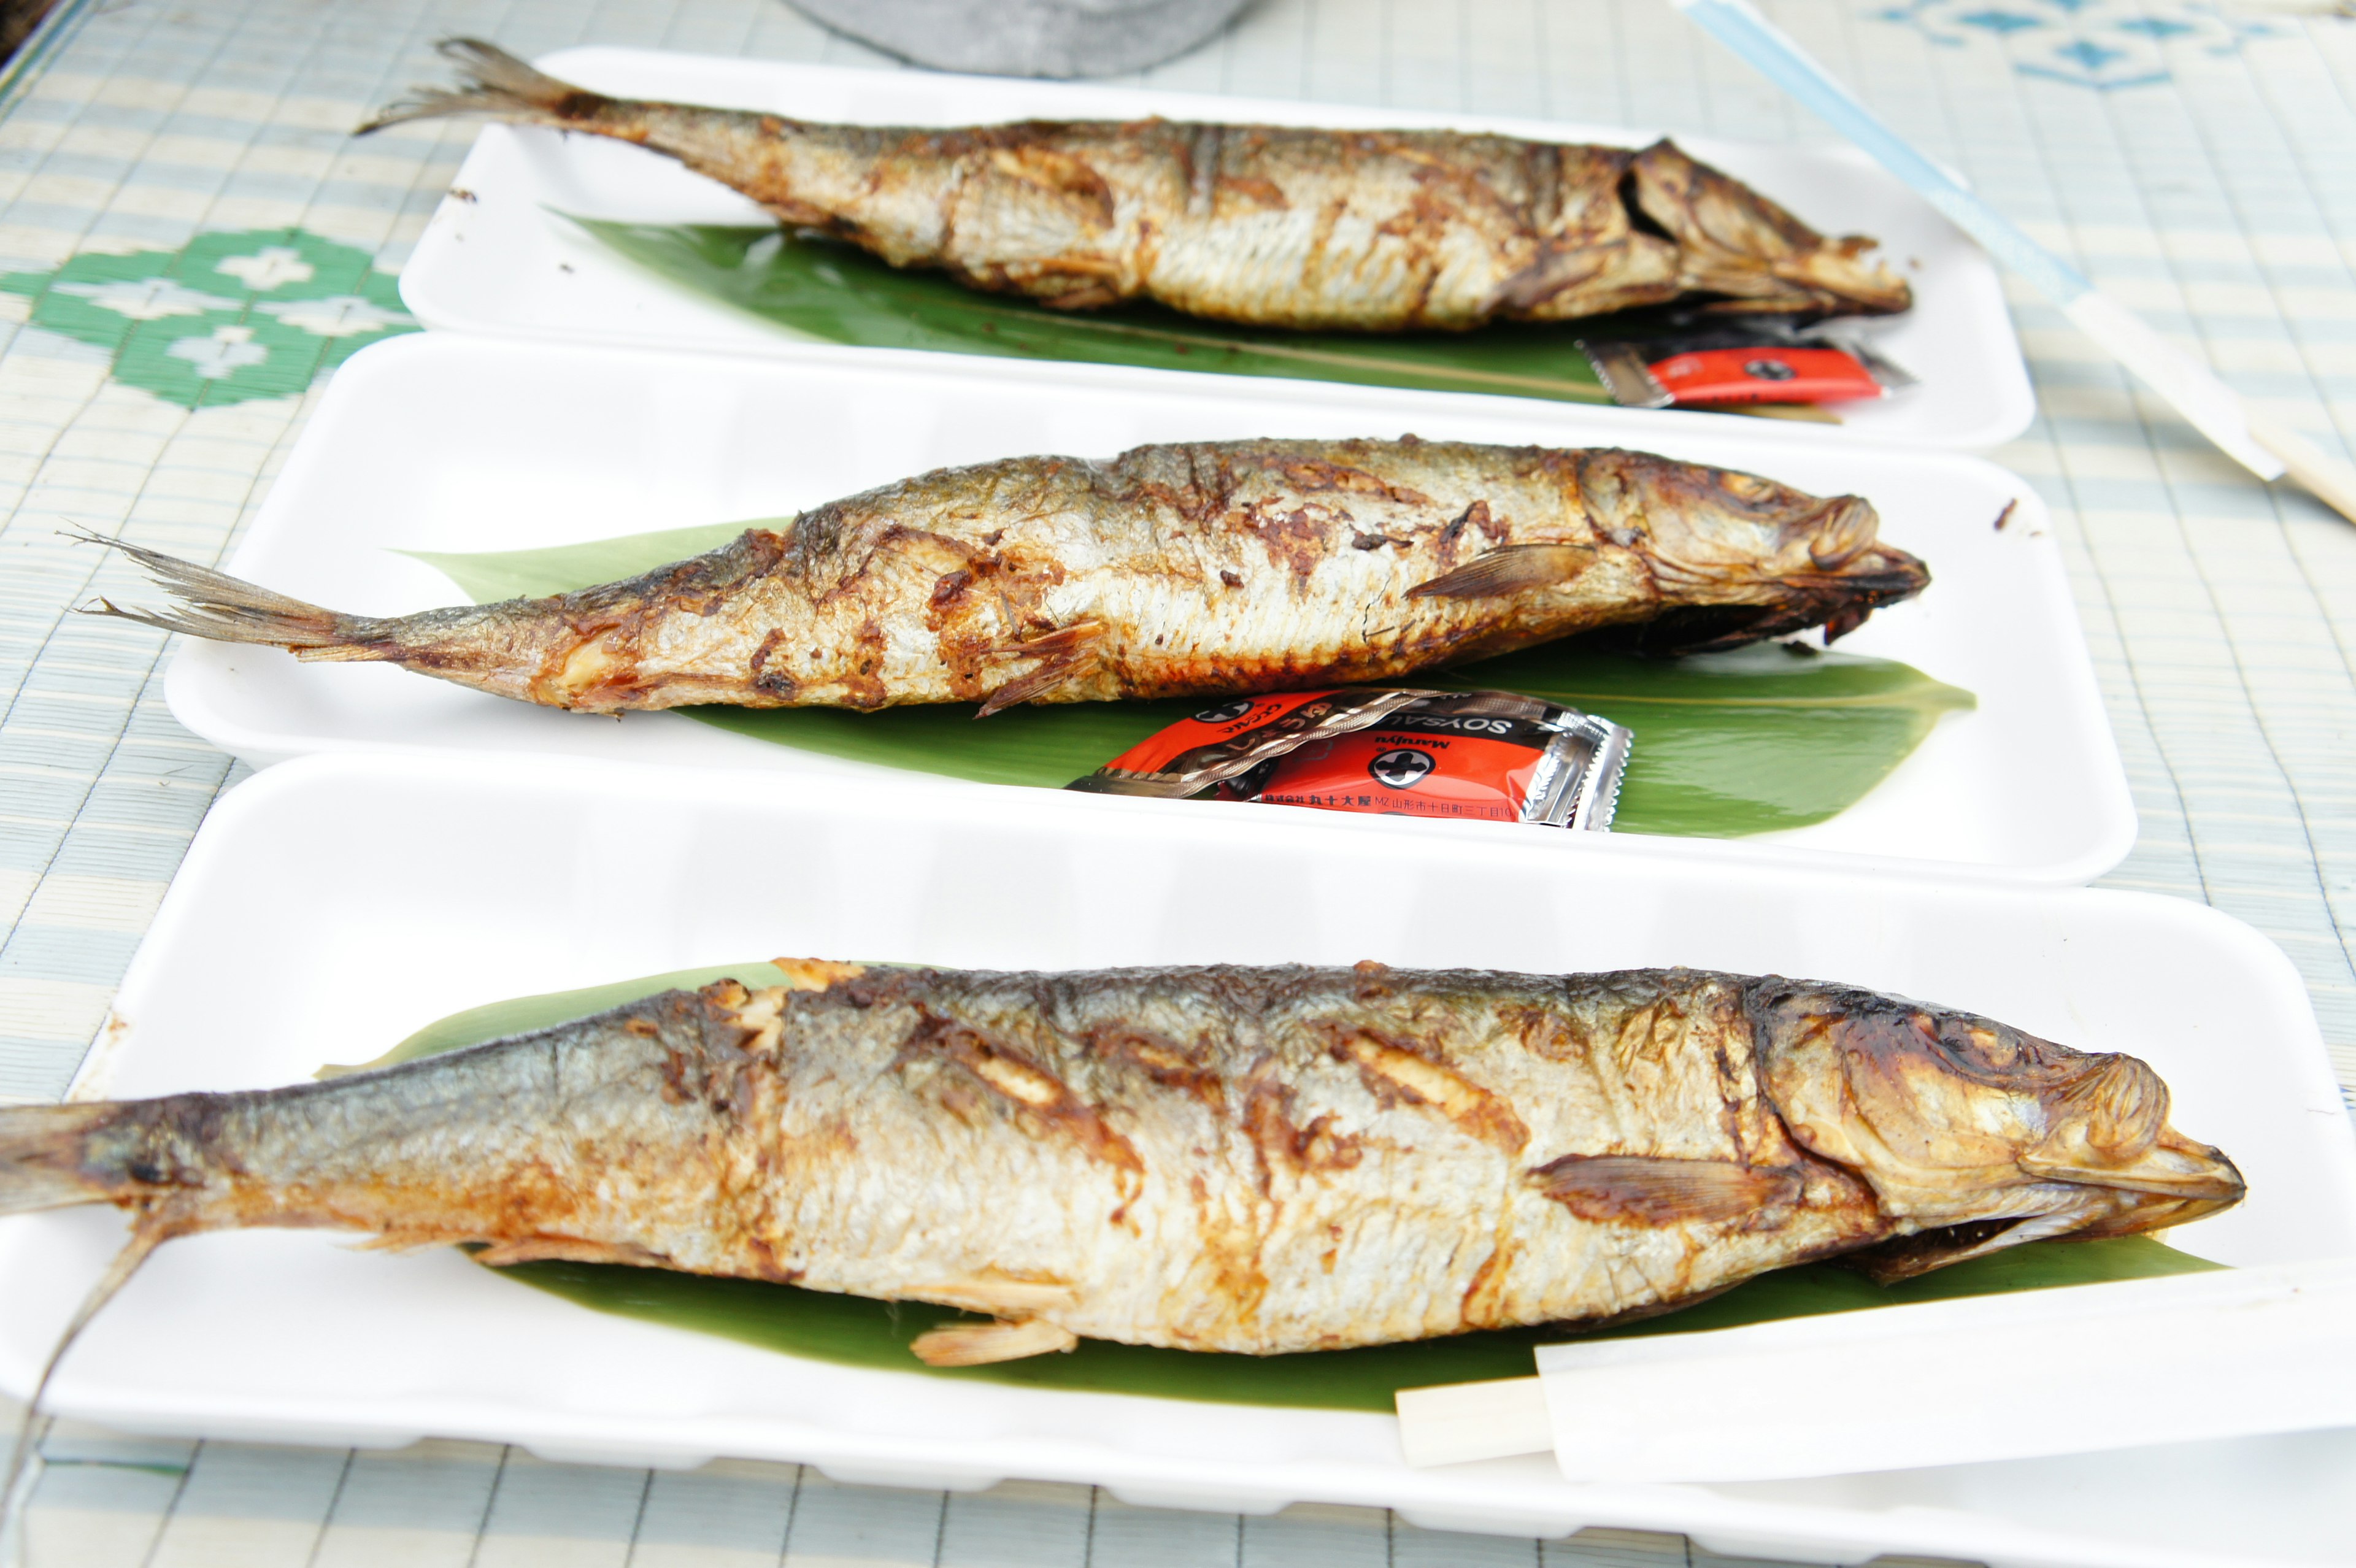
227 318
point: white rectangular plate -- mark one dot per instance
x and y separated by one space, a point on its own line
331 906
444 441
501 261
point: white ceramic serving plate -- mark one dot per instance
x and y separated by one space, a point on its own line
450 441
331 906
499 261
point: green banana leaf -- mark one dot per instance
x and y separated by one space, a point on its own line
854 1331
1726 745
839 294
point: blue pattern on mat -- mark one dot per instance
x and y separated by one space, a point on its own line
2105 44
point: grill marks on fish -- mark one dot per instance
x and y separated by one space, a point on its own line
1259 1160
1026 1085
1397 1073
1377 230
1190 570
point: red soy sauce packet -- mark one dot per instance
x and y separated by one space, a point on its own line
1471 755
1722 365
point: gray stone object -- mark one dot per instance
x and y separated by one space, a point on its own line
1028 37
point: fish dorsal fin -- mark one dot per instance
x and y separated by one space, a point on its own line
1509 569
1645 1190
816 974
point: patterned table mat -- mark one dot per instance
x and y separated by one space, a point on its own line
189 243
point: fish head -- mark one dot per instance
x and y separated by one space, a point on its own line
1974 1134
1738 558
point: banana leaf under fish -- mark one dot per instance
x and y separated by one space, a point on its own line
1755 741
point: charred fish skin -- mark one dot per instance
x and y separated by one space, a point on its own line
1259 1160
1192 569
1372 231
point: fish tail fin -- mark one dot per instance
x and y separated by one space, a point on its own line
224 609
494 82
45 1163
43 1158
147 1233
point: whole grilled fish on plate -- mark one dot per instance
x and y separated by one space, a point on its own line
504 254
491 874
1199 569
1377 230
1258 1161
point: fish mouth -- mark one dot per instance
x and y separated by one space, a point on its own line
2174 1182
1752 558
1735 242
1883 575
2103 1211
1850 572
2174 1169
1840 601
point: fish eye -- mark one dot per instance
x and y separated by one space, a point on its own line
1992 1046
1976 1049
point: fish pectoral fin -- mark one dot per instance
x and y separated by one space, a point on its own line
1509 569
1556 267
1645 1190
978 1344
568 1248
1063 653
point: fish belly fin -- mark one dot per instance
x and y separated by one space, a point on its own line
1643 1189
1509 569
1063 653
493 82
979 1344
224 609
571 1250
43 1160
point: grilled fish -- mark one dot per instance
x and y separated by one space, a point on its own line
1179 571
1243 1160
1373 231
